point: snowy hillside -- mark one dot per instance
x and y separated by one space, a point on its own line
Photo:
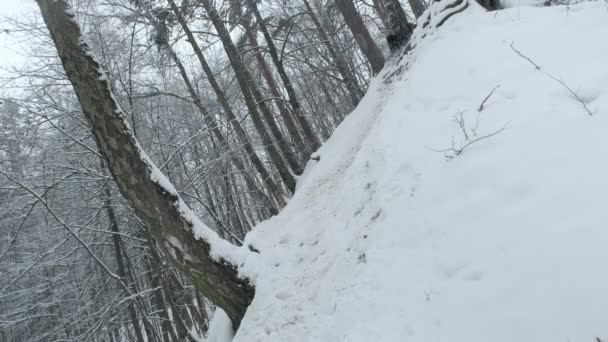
390 239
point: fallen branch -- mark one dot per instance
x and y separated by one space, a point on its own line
487 98
538 67
454 151
469 134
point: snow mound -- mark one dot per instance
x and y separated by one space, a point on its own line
395 236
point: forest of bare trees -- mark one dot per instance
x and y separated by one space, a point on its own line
228 99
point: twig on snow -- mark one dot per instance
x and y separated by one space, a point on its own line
487 98
469 134
454 151
538 67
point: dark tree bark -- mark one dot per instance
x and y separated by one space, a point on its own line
212 125
353 20
401 30
274 90
159 207
490 5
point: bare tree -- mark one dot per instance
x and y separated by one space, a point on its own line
254 100
221 96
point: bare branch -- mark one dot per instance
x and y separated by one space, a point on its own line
562 83
486 99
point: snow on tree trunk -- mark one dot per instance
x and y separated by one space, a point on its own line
198 251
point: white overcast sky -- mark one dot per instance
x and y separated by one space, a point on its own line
11 53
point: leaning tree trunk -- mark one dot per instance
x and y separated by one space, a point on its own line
490 5
169 221
353 20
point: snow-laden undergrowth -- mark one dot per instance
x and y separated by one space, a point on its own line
387 239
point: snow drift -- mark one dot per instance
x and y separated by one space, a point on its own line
395 236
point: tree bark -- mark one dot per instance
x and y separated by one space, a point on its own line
400 28
222 142
490 5
353 20
166 217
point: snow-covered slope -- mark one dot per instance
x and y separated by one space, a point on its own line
389 240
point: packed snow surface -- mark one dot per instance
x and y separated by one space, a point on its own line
388 239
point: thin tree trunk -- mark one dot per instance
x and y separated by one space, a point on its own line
274 91
354 90
250 93
214 127
234 122
353 20
148 192
309 136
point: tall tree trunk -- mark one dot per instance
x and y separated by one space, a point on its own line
234 121
169 221
353 20
309 136
274 91
490 5
354 90
250 94
214 128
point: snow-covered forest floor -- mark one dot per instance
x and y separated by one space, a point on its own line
390 239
